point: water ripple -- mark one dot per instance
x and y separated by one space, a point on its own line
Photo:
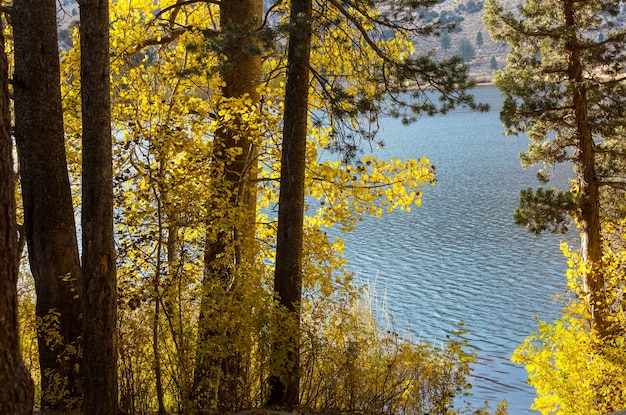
460 257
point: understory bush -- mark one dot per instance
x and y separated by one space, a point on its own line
575 370
350 361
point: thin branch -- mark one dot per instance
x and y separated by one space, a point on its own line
604 151
267 13
552 109
173 35
615 38
616 184
162 40
183 3
381 54
353 186
175 13
265 180
612 81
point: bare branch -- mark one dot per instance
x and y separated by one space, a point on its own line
178 4
267 13
173 35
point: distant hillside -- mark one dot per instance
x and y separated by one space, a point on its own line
67 17
470 39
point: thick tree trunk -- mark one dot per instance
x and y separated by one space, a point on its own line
16 392
99 285
218 377
589 185
591 240
48 211
288 274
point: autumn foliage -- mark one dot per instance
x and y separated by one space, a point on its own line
196 170
573 368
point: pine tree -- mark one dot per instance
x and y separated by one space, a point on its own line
230 252
16 393
565 89
479 39
99 293
446 42
47 200
395 72
290 234
466 50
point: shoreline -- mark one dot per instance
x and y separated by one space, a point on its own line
484 81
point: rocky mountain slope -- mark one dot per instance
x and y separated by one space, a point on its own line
470 39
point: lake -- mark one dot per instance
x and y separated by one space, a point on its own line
460 256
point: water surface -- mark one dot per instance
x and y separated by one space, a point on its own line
460 257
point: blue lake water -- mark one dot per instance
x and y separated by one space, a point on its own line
460 257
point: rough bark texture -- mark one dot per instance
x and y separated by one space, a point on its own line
218 377
288 274
99 285
16 390
48 211
588 182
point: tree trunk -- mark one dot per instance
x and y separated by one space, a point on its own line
591 240
589 185
48 212
219 377
284 388
16 392
99 285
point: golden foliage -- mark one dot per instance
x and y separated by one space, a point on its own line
573 369
170 203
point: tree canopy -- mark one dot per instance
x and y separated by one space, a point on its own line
197 161
563 87
565 90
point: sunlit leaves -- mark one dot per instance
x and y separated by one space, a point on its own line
573 369
370 187
171 199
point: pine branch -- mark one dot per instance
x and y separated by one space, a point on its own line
370 42
545 209
615 38
617 183
509 20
